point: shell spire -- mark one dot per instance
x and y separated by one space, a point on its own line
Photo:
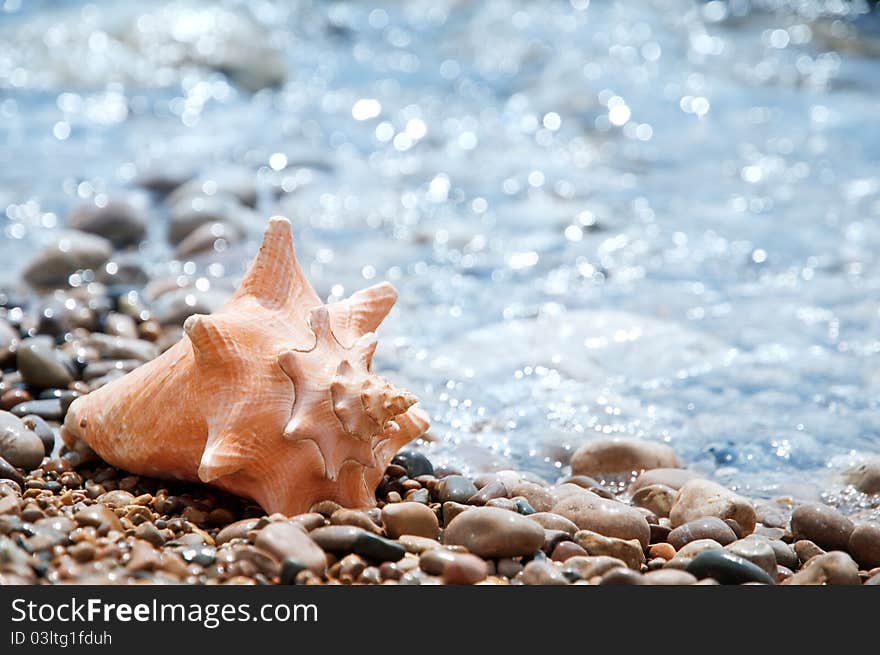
272 397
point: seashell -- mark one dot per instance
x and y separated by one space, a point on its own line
270 397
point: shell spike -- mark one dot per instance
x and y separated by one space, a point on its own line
275 278
364 349
362 312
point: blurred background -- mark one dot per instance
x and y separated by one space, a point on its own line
644 218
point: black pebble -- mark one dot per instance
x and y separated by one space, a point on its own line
8 472
290 568
414 462
378 548
726 568
523 507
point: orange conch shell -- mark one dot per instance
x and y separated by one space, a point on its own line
271 397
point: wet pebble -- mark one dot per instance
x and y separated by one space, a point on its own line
622 455
150 533
674 478
122 348
621 576
345 516
8 472
822 525
565 550
708 527
756 551
610 518
657 498
38 426
494 532
19 446
727 568
491 491
237 530
454 488
700 498
464 569
539 498
835 568
864 545
410 518
290 569
806 550
542 573
345 539
629 551
687 553
550 521
13 398
664 551
100 517
42 365
48 409
668 577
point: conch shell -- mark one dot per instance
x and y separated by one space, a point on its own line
271 397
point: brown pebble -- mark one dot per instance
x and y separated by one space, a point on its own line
550 521
494 532
807 550
609 518
864 545
349 568
622 455
824 526
344 516
150 533
410 518
834 568
237 530
14 397
542 573
700 498
450 509
707 527
668 577
100 517
566 550
622 576
629 551
464 569
492 490
665 551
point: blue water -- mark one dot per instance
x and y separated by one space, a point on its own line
656 219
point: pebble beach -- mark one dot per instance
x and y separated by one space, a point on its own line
636 251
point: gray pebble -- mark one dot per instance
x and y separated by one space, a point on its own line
68 253
49 409
455 488
19 446
42 365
